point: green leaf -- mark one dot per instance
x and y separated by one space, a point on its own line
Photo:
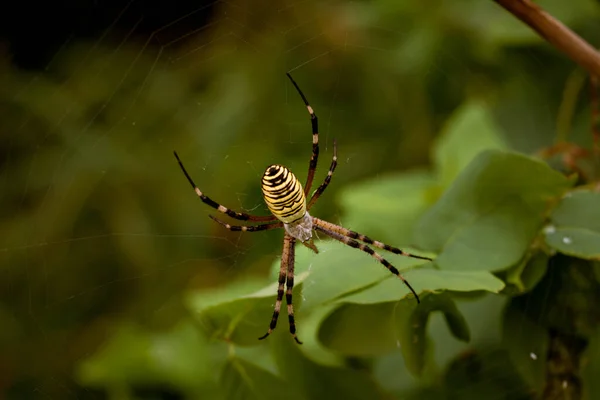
527 344
368 330
388 207
494 240
315 381
575 228
425 280
339 270
340 274
575 242
468 132
580 208
240 312
308 332
529 272
364 330
488 217
243 380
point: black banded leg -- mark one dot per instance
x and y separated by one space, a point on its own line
233 214
290 286
312 166
282 275
325 183
368 250
249 228
354 235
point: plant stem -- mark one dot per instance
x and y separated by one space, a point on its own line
555 33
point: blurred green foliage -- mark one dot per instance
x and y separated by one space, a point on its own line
116 285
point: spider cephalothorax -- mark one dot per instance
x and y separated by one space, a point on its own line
286 199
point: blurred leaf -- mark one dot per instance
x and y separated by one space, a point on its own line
527 344
596 269
575 242
417 51
255 355
206 299
424 392
387 208
312 348
241 379
392 374
575 228
504 29
315 381
468 132
578 209
567 298
483 374
135 356
367 330
591 369
488 217
529 272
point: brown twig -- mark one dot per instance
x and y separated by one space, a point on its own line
555 33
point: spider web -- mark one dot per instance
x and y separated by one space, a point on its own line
98 222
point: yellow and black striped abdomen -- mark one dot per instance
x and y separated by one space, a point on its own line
283 194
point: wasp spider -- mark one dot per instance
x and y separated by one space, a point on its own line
286 200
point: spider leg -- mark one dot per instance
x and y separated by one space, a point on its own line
325 183
233 214
247 228
311 245
354 235
288 242
290 286
353 243
312 166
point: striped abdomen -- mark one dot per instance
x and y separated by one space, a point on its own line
283 194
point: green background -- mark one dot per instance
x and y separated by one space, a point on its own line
114 283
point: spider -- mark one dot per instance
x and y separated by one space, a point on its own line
286 200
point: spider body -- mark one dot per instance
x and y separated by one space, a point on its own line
286 199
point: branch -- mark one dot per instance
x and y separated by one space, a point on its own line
555 33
